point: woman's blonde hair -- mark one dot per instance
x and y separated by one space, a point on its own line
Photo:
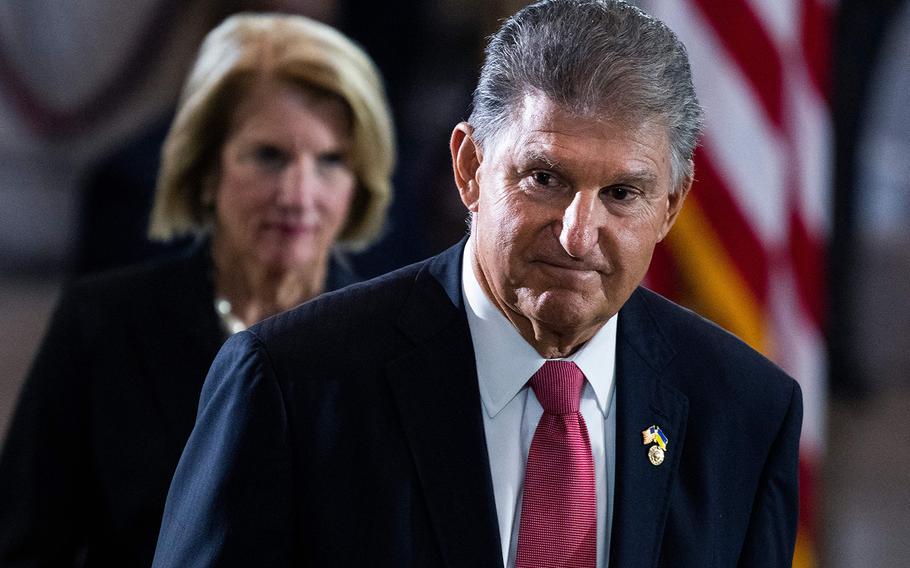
293 49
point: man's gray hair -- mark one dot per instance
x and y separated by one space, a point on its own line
603 59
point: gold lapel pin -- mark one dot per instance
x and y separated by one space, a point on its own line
654 435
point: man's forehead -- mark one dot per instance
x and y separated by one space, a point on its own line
535 105
538 117
544 132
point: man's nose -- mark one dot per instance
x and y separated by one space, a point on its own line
298 184
580 223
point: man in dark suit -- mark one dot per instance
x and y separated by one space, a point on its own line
517 400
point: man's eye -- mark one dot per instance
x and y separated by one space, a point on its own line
619 193
542 178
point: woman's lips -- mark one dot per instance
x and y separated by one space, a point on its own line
292 229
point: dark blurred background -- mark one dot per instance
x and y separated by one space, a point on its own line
87 91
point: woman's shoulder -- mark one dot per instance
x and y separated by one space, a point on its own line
187 266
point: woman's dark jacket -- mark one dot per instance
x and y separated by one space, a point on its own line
105 412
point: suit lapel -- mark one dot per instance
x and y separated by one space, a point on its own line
435 389
644 398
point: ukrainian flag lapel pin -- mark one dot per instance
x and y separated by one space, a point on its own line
654 435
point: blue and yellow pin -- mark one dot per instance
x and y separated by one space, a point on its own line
651 435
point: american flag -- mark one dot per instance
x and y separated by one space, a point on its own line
748 248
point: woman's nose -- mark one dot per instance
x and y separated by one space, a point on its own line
298 184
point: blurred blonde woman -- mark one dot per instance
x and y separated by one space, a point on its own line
278 160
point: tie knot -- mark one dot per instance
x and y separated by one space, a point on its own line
557 385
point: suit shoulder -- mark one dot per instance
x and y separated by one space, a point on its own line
703 345
370 304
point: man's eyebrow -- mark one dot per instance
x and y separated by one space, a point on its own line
534 155
637 177
641 176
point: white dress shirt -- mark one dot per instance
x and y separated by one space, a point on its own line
505 364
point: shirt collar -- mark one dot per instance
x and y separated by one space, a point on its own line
505 361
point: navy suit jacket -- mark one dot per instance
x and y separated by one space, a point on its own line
348 432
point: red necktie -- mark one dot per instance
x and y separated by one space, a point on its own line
559 504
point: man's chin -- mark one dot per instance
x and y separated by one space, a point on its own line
569 312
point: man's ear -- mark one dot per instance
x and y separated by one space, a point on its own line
466 159
674 206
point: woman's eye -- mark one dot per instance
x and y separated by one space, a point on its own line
270 156
332 159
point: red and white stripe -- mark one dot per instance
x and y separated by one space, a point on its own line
762 191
